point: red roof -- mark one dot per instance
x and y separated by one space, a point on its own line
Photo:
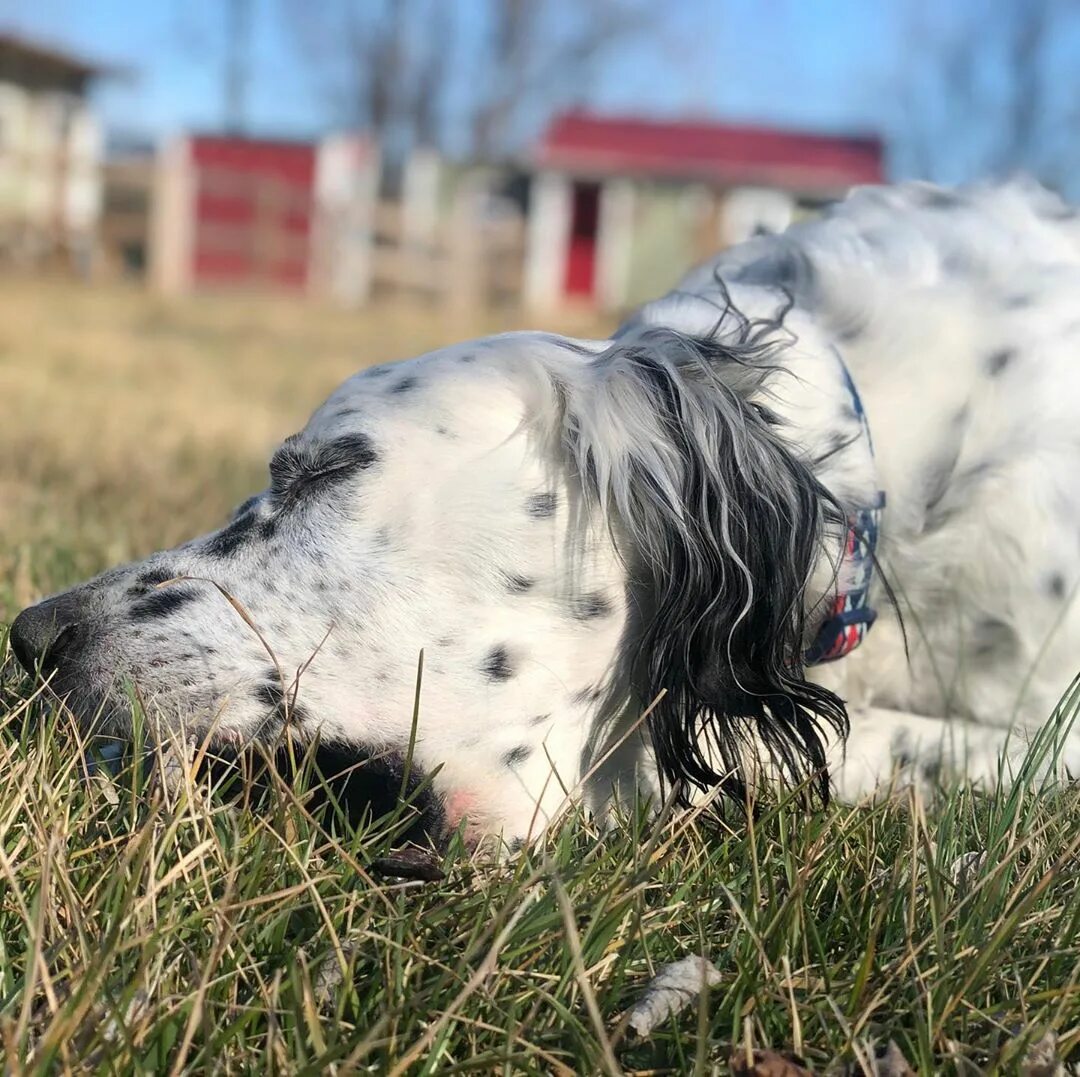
721 152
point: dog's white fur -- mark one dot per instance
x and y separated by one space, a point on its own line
507 506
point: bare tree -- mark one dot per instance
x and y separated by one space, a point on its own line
544 56
237 34
420 72
979 94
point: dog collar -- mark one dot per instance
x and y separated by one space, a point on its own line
850 616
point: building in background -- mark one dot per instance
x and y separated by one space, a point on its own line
236 212
620 208
51 150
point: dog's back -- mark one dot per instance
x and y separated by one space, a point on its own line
958 316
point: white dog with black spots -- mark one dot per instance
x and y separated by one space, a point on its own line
578 533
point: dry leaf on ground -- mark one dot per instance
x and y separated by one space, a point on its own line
1041 1058
672 989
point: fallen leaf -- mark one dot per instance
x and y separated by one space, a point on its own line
672 989
329 977
966 867
1041 1058
767 1064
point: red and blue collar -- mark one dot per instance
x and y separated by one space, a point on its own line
850 616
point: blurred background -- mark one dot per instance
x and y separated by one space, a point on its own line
211 211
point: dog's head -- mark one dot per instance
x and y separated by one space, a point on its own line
562 529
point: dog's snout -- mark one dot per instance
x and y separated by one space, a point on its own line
40 632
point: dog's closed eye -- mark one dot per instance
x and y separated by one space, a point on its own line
296 468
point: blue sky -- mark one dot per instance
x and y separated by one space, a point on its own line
835 65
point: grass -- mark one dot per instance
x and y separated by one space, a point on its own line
152 929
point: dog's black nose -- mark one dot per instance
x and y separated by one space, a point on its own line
39 633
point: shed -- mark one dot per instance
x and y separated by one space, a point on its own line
50 151
234 212
621 206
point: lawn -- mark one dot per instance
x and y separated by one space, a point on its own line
172 928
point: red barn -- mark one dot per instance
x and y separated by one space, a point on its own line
245 212
620 207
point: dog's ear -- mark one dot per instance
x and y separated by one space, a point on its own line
723 528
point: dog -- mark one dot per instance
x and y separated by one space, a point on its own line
814 516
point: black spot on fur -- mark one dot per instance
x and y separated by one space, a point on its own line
958 486
379 371
468 357
787 268
993 639
516 756
931 771
270 694
1056 585
498 665
900 749
937 484
539 719
591 694
850 332
147 582
406 385
444 432
1019 300
162 603
153 576
997 361
518 585
589 607
232 538
281 706
542 506
837 443
938 198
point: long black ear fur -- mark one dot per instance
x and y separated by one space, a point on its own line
725 526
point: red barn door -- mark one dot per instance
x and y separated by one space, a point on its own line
580 279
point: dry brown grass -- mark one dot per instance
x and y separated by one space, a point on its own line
132 422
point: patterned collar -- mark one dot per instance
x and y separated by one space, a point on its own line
850 615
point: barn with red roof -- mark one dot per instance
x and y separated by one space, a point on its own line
619 206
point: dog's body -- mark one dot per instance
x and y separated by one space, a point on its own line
574 532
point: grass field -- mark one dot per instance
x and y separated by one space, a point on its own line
145 929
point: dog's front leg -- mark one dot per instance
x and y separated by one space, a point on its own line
895 746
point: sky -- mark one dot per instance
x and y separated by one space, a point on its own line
828 65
